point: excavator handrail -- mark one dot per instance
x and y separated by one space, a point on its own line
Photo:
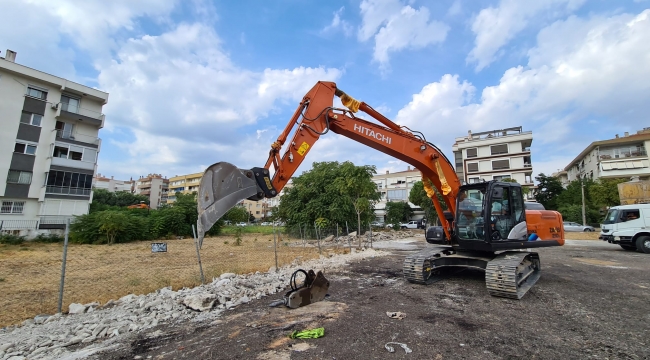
316 115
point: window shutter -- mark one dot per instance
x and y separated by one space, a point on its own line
473 167
499 149
500 164
472 153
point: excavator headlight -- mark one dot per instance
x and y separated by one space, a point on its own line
423 147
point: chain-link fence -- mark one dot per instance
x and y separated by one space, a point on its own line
31 273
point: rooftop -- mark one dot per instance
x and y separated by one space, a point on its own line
8 63
641 135
491 134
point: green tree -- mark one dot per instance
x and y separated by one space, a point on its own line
524 189
548 190
112 223
356 184
604 192
398 212
419 197
106 200
236 214
318 193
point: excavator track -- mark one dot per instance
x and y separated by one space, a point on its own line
417 267
512 274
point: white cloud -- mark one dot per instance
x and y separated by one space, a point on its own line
396 27
179 93
455 9
600 70
91 23
338 23
495 27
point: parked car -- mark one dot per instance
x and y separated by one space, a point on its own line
377 224
573 226
241 224
265 223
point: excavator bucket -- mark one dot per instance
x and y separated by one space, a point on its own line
223 185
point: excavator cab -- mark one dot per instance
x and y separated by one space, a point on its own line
491 217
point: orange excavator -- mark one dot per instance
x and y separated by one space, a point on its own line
486 226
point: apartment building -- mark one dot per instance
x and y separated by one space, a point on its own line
621 157
112 185
184 184
396 187
154 186
48 147
494 155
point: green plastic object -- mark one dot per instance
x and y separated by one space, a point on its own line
308 334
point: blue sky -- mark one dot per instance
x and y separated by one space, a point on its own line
196 82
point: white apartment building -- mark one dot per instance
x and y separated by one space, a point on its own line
48 147
396 187
494 155
155 187
620 157
112 185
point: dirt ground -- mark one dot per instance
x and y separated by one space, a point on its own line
591 302
30 273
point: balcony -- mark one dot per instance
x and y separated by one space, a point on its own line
75 164
66 190
73 137
55 221
18 224
623 153
75 112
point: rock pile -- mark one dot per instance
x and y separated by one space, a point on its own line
49 337
376 236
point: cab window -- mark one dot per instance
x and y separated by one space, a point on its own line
629 215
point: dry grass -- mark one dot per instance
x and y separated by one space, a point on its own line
30 273
582 235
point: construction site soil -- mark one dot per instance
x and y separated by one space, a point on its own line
592 301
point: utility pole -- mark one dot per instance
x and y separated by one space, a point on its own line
582 188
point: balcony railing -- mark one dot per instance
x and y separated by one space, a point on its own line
55 221
76 109
18 224
66 190
62 134
622 153
526 149
528 165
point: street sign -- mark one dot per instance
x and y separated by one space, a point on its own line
158 247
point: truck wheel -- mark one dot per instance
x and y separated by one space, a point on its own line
628 247
643 244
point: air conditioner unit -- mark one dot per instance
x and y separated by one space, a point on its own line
55 106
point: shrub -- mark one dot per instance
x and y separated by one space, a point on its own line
49 238
10 239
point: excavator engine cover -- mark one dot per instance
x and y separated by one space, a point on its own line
312 290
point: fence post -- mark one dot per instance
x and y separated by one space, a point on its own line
275 249
370 227
198 254
347 234
317 238
65 256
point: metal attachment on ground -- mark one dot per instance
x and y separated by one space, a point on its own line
392 350
312 290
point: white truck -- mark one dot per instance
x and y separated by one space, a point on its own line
628 226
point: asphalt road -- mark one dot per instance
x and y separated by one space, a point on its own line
591 302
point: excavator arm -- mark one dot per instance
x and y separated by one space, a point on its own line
223 185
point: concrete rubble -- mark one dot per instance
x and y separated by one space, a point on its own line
57 336
365 239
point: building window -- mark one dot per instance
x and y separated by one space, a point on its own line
12 207
31 119
501 177
73 152
64 130
257 212
500 164
472 167
68 183
36 93
472 153
19 177
499 149
22 148
473 180
397 194
69 104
